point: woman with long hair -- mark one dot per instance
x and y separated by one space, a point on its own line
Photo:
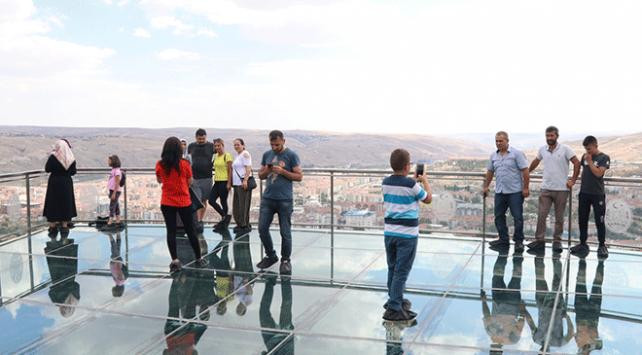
60 203
175 176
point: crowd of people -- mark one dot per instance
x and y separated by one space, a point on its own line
201 173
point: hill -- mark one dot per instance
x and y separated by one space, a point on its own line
26 147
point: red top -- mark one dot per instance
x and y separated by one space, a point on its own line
174 186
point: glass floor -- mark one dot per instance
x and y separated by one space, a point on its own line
107 293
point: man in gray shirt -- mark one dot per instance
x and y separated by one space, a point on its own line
511 188
280 166
555 188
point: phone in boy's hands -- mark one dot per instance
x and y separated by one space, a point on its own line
419 170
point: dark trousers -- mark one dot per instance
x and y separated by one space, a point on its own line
185 213
400 254
283 208
514 202
598 202
114 206
219 191
241 206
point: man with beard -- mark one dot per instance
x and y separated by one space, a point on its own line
555 187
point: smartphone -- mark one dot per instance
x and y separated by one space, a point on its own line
420 169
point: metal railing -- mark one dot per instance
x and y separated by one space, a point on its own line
333 175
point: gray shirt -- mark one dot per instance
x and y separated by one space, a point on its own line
555 166
278 187
508 170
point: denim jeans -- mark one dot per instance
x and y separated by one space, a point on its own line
284 209
515 202
400 253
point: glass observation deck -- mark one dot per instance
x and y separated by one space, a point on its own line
101 292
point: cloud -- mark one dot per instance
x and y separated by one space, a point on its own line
173 54
179 27
141 33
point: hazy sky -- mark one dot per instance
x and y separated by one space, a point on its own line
443 66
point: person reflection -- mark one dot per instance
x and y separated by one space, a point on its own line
505 323
117 266
588 309
220 261
268 324
244 272
62 261
394 330
545 299
181 331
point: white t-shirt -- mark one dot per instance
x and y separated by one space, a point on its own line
238 167
555 166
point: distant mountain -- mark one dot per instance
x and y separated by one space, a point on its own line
26 148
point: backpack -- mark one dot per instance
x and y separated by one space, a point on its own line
122 179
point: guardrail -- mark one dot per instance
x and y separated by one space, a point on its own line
332 174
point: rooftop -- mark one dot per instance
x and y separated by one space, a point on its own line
64 297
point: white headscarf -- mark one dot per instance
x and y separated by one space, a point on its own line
63 153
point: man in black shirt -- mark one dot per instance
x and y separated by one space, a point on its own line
202 153
594 164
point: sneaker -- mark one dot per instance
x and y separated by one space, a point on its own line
405 305
580 250
536 245
236 228
267 262
602 251
64 233
557 247
519 246
499 243
175 266
286 267
400 315
201 263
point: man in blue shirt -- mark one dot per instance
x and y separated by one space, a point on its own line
279 167
511 188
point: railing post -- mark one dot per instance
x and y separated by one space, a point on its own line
125 195
28 191
28 197
331 226
570 215
483 254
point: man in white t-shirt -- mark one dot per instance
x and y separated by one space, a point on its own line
555 187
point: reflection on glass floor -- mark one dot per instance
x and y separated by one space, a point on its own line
111 293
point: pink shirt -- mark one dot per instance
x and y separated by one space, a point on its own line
111 184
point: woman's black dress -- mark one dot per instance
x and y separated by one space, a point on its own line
60 203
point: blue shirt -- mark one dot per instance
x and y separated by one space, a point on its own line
401 196
278 187
508 170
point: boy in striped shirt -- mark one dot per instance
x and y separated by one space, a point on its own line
401 197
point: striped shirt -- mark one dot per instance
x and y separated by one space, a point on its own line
401 196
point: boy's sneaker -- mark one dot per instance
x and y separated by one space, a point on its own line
580 250
400 315
405 305
602 252
557 247
267 262
286 267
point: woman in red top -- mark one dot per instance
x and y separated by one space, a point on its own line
175 175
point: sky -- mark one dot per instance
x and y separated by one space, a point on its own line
426 67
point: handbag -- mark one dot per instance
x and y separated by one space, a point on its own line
251 182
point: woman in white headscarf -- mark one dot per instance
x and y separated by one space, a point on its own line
60 203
